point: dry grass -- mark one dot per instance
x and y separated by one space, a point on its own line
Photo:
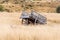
12 29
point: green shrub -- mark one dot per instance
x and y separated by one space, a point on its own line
1 8
58 9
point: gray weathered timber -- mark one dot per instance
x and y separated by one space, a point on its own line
34 18
24 15
38 17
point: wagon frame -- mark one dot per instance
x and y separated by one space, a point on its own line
33 17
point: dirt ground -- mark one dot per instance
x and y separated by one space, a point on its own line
12 29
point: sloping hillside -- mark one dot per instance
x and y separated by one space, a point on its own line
17 5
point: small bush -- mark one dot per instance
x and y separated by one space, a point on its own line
1 8
58 9
7 10
30 6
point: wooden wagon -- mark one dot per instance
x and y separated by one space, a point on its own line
33 17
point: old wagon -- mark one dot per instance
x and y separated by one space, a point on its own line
33 17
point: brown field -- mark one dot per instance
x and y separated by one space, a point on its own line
12 29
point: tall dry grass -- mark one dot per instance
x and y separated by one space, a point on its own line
12 29
36 32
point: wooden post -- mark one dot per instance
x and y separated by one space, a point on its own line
27 21
22 21
35 21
